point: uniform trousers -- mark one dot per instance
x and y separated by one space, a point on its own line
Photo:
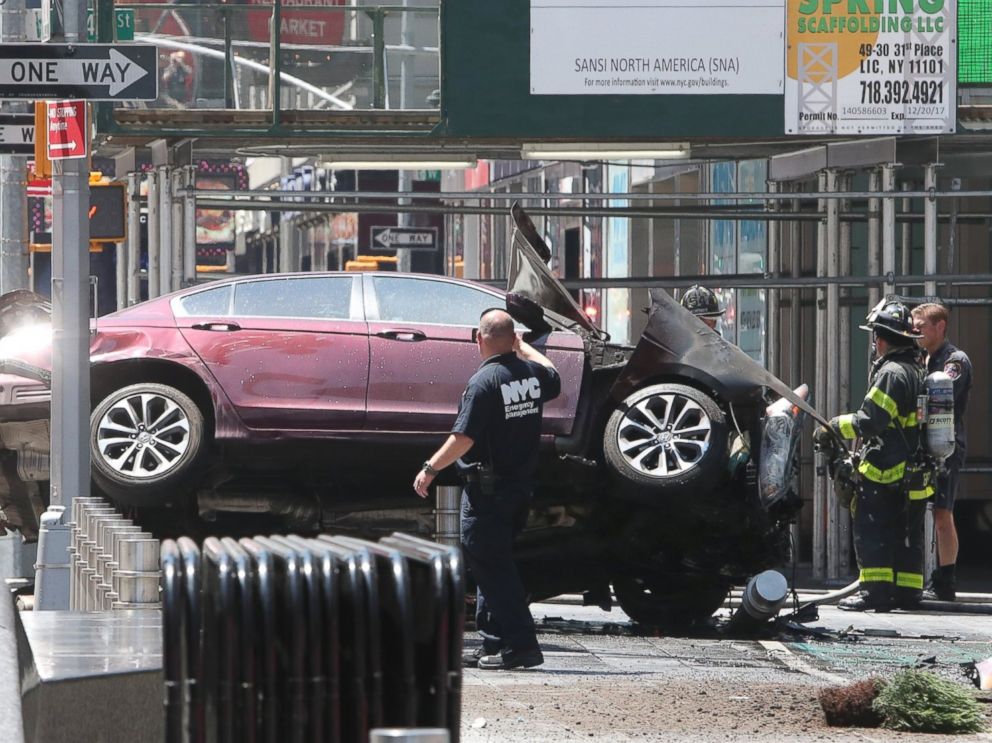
489 525
889 541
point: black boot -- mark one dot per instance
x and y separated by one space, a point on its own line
942 585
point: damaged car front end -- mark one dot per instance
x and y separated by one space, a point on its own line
693 456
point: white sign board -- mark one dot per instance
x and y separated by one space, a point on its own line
852 69
656 47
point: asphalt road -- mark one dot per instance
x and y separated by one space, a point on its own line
604 679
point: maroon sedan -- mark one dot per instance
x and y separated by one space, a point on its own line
314 397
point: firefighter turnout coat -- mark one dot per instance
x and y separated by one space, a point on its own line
887 421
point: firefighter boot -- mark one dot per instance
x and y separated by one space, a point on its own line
876 599
942 585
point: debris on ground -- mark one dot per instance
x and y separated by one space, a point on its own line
918 701
852 705
912 701
980 673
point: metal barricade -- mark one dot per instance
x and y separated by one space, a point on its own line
98 539
299 639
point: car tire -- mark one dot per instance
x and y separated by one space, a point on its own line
673 603
146 444
666 439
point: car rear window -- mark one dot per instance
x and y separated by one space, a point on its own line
323 297
213 302
430 301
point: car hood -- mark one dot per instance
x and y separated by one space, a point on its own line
25 335
676 341
20 307
527 273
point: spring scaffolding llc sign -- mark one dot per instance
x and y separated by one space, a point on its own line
652 47
877 67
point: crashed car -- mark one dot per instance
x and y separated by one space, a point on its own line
312 398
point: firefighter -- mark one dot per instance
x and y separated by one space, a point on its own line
702 302
942 355
891 488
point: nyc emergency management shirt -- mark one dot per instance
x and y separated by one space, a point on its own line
501 410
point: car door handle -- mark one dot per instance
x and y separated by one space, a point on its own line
216 326
410 336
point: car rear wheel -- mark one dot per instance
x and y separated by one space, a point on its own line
146 442
674 603
667 438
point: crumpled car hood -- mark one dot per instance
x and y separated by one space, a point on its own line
676 341
528 274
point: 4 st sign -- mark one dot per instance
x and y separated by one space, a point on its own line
93 72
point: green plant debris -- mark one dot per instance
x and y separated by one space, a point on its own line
921 702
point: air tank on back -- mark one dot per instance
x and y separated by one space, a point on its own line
940 415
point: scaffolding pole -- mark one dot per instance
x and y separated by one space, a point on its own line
874 234
189 227
831 358
165 217
888 227
820 505
772 339
930 229
133 238
906 230
154 241
844 372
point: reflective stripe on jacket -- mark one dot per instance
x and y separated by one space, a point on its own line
886 421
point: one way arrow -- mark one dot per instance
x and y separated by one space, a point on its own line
62 145
81 71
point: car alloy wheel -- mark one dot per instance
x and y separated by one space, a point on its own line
147 444
664 435
143 435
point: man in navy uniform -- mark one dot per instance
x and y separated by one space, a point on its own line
495 441
942 355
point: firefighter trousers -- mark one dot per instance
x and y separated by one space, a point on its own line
889 542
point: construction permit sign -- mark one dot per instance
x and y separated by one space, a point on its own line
871 67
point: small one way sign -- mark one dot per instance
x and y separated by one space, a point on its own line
17 134
92 72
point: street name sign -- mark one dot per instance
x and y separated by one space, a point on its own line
410 238
123 24
17 134
92 72
68 134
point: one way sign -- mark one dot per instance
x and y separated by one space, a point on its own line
17 134
92 72
411 238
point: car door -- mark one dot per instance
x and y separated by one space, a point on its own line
422 352
291 353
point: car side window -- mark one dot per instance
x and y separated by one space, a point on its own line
322 297
425 301
212 302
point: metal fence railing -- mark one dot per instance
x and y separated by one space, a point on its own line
322 639
113 564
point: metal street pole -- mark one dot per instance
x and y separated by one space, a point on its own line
13 174
70 355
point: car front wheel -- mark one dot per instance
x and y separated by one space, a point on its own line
667 438
146 441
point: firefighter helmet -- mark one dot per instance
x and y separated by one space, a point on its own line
701 302
892 316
